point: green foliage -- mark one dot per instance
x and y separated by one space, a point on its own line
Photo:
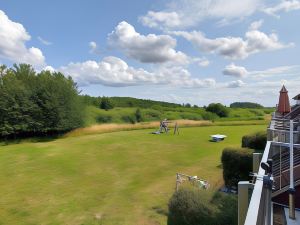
138 115
37 103
255 141
218 109
129 119
228 209
247 105
237 165
191 206
104 119
88 100
140 103
106 103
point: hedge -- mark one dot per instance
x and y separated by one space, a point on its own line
192 206
255 141
237 165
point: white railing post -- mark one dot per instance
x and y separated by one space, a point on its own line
243 201
292 187
256 162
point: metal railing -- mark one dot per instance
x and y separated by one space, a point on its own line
279 152
256 211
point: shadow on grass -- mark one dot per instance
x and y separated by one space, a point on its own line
220 166
160 210
35 139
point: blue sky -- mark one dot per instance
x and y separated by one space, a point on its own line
196 51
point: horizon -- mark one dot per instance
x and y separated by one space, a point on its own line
179 51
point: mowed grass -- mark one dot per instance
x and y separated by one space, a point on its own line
121 178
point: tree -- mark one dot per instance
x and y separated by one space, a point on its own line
37 103
218 109
246 105
106 103
138 115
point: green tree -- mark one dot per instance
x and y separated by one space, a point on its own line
218 109
138 115
106 103
37 103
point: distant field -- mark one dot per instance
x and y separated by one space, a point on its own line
123 178
96 115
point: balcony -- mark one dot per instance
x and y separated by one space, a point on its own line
272 208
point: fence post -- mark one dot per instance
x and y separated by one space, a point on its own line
243 201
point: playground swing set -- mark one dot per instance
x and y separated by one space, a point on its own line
164 127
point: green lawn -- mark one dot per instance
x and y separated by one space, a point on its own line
121 178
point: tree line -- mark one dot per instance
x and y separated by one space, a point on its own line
37 103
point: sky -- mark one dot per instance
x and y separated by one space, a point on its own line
182 51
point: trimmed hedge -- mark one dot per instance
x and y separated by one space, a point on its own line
237 165
192 206
255 141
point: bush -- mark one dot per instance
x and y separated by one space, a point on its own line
218 109
228 209
237 165
104 119
128 119
255 141
138 115
106 103
246 105
187 207
191 206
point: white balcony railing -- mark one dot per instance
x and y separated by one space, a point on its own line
256 211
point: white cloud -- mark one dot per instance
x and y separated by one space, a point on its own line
235 47
284 5
147 49
242 72
235 84
161 19
113 71
13 38
203 62
188 13
49 68
43 41
93 47
235 71
256 25
280 70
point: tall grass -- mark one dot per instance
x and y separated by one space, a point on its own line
127 115
107 128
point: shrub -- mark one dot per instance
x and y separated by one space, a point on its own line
228 209
138 115
106 103
237 165
128 119
191 206
152 114
255 141
218 109
246 105
187 207
104 119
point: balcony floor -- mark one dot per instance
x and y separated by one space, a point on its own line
289 221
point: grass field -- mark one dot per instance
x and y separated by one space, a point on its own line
121 178
95 115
